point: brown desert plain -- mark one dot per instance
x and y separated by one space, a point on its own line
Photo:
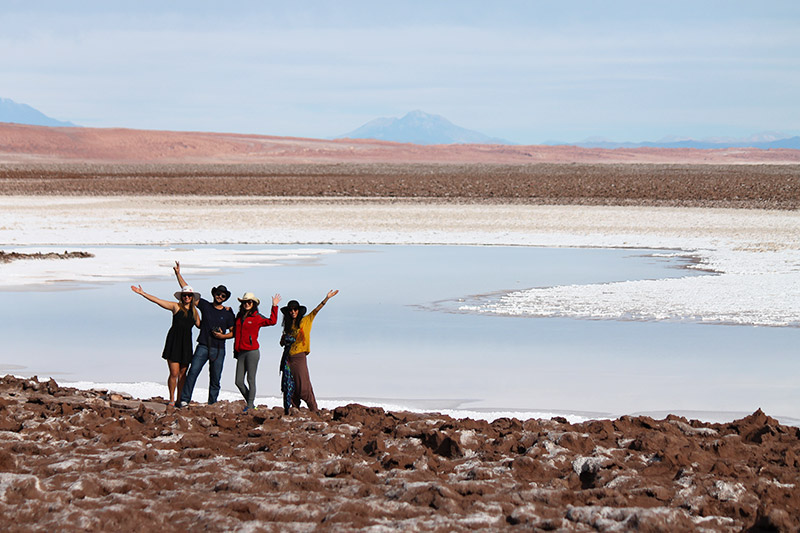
87 161
77 460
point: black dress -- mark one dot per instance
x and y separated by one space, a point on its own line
178 347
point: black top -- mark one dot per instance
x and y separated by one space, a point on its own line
211 319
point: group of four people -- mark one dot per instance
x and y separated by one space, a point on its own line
217 323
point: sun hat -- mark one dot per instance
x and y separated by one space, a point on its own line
222 289
249 297
187 289
293 304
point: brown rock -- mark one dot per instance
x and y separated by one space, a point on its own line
774 520
441 444
9 424
576 442
78 462
8 462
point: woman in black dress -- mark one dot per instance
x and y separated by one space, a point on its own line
178 347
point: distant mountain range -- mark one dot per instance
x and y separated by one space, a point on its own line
762 142
11 111
418 127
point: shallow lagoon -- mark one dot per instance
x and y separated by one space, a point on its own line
392 335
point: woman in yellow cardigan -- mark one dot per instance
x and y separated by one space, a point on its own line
297 335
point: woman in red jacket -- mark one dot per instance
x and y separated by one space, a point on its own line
245 344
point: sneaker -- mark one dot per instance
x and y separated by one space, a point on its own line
183 404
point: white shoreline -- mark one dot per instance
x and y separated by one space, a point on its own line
148 390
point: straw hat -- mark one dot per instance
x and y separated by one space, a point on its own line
185 290
249 297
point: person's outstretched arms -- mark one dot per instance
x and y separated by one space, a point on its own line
330 295
177 269
171 306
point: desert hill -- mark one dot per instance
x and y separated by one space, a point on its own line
39 144
38 160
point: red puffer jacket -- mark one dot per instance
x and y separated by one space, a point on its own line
245 332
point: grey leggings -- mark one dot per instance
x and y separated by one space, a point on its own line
247 362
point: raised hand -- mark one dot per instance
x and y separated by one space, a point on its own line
177 268
276 299
331 294
137 290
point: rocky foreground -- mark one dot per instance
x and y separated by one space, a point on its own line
100 461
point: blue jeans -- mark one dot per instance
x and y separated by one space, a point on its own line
215 358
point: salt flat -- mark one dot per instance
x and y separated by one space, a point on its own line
75 220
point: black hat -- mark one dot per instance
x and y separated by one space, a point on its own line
294 304
222 289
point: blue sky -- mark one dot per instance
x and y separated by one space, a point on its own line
527 71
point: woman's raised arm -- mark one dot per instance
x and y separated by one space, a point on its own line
177 269
170 306
330 295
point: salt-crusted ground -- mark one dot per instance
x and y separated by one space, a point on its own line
73 460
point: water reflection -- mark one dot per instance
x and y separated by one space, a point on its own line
385 335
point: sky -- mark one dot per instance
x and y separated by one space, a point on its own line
526 71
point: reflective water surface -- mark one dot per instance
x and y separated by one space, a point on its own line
388 335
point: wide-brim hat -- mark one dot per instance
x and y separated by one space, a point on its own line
222 289
249 297
293 304
188 289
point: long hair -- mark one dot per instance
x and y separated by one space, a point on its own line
188 310
288 323
243 313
